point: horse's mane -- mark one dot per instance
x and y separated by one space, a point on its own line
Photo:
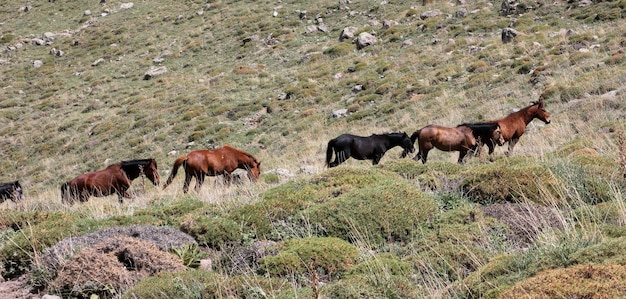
141 162
389 134
6 186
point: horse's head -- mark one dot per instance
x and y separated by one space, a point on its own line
18 193
255 171
496 135
541 112
152 172
407 145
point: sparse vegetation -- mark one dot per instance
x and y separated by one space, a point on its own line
548 222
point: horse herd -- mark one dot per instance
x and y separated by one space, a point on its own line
462 138
117 178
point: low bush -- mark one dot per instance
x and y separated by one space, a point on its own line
205 285
511 180
373 286
329 258
580 281
388 210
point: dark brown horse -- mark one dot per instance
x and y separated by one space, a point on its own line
514 125
361 148
222 161
461 138
116 178
12 191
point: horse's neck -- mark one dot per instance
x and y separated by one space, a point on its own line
524 114
393 141
132 172
530 113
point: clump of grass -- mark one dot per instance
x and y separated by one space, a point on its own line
330 257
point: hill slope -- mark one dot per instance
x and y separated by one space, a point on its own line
274 94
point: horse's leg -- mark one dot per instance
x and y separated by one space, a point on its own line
188 177
376 158
122 195
340 157
229 178
491 147
462 156
512 143
199 181
421 156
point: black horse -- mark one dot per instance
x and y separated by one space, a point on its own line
12 191
366 148
488 133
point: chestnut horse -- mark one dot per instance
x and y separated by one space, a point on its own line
514 125
221 161
116 178
461 138
361 148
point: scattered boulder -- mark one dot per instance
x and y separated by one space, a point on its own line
339 113
347 33
154 71
389 23
97 62
281 172
364 39
127 5
430 14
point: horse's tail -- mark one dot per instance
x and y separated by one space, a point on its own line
415 135
329 151
179 161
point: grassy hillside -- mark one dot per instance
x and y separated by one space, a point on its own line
69 116
265 76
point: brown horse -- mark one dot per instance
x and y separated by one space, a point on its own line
116 178
221 161
461 138
514 125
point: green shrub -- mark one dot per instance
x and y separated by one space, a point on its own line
374 285
287 200
384 264
189 254
385 211
610 251
214 232
500 273
328 257
202 284
588 177
511 180
580 281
